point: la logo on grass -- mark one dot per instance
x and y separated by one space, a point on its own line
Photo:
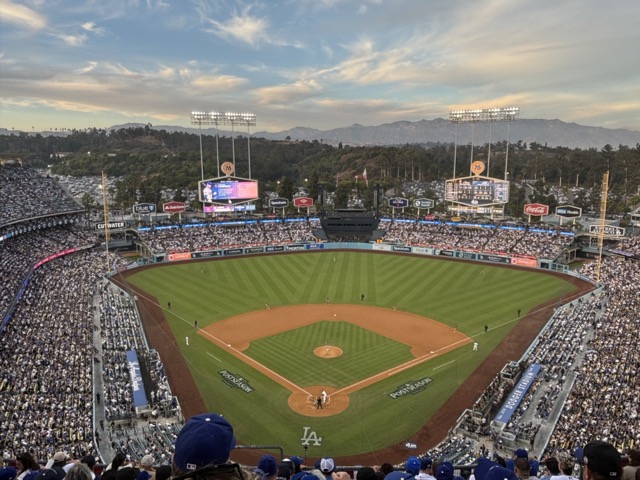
310 437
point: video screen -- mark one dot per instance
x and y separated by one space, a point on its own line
218 192
474 191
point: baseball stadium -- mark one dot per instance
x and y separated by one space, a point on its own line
434 339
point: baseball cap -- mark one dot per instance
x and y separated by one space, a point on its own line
413 465
396 475
603 458
297 460
267 465
205 439
521 453
147 461
483 466
8 473
445 471
500 473
327 465
425 463
59 457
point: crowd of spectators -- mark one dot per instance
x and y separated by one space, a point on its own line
17 256
200 238
604 398
46 386
494 239
27 194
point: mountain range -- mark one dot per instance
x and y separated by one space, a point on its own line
552 133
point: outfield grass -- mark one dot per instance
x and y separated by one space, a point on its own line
455 293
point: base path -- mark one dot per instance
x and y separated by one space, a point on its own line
427 339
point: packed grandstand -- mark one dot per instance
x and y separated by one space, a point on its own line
65 383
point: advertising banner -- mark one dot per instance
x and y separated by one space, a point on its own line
493 258
518 393
137 385
524 261
179 256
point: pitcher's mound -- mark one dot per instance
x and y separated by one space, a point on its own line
328 351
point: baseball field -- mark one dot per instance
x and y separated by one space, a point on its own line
388 338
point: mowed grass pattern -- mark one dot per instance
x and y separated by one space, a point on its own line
467 295
356 363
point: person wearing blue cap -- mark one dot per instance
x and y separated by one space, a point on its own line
267 467
205 444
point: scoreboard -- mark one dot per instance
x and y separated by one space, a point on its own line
227 190
476 191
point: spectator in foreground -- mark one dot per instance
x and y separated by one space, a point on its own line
203 448
600 461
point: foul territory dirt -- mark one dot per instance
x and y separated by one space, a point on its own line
512 347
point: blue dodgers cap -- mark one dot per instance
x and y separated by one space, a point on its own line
297 460
426 463
445 471
413 465
267 465
205 439
500 473
521 453
8 473
396 475
483 466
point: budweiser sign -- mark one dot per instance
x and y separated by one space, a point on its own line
536 209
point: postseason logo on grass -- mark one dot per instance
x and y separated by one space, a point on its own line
411 388
235 381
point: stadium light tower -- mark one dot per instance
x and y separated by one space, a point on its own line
484 115
237 119
201 118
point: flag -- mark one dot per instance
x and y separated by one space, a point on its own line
364 177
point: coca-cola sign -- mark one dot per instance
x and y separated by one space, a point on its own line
536 209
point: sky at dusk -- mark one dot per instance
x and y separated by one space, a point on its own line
316 63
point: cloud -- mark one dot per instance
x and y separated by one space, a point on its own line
73 40
21 15
91 27
290 93
218 82
89 68
243 27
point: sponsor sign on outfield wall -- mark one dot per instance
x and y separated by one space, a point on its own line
179 256
524 262
609 230
493 258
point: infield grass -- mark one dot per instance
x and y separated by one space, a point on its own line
461 294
